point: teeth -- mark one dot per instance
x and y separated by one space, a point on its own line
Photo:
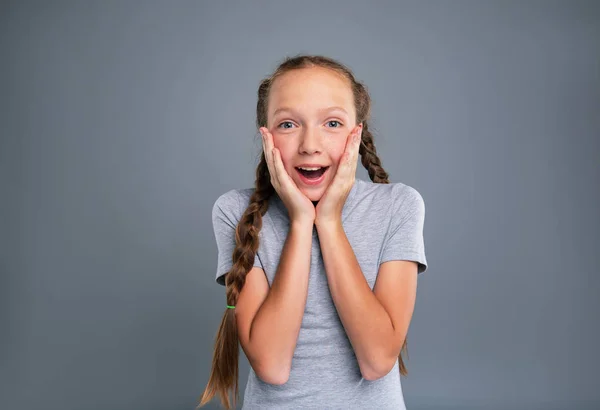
310 169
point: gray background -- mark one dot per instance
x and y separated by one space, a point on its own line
123 121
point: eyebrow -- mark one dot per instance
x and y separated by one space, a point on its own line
282 109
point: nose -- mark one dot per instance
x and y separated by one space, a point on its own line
310 141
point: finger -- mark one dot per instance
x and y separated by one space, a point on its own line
352 139
358 142
282 175
356 146
351 154
352 145
265 142
276 162
268 151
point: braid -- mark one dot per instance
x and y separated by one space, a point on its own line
224 374
369 158
246 233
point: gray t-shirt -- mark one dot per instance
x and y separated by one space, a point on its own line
382 222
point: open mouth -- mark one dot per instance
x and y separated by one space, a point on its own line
312 177
312 174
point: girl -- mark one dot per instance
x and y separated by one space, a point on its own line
320 268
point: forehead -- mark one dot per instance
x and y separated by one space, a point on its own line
310 87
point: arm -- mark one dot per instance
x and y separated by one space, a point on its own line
273 332
377 321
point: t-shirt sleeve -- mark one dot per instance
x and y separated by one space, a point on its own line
226 213
404 240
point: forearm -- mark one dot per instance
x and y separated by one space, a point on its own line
276 325
366 322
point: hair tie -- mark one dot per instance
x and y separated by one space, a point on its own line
230 307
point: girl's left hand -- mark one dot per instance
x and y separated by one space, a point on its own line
329 208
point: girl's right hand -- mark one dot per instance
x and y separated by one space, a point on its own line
299 206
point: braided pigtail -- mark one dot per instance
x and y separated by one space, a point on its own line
224 375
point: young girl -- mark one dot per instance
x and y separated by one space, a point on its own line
320 268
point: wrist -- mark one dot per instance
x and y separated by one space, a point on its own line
325 224
302 224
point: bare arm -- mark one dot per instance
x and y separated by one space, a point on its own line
272 327
377 321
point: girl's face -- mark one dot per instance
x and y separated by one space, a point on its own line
310 115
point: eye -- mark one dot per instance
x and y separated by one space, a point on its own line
285 122
336 121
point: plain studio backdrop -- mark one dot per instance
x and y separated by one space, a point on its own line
121 123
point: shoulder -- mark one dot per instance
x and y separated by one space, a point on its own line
396 194
400 199
231 203
407 197
409 206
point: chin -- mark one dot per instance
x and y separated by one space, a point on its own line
312 195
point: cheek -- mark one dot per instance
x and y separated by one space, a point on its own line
284 150
287 159
337 153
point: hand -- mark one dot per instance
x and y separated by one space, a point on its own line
329 208
299 206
